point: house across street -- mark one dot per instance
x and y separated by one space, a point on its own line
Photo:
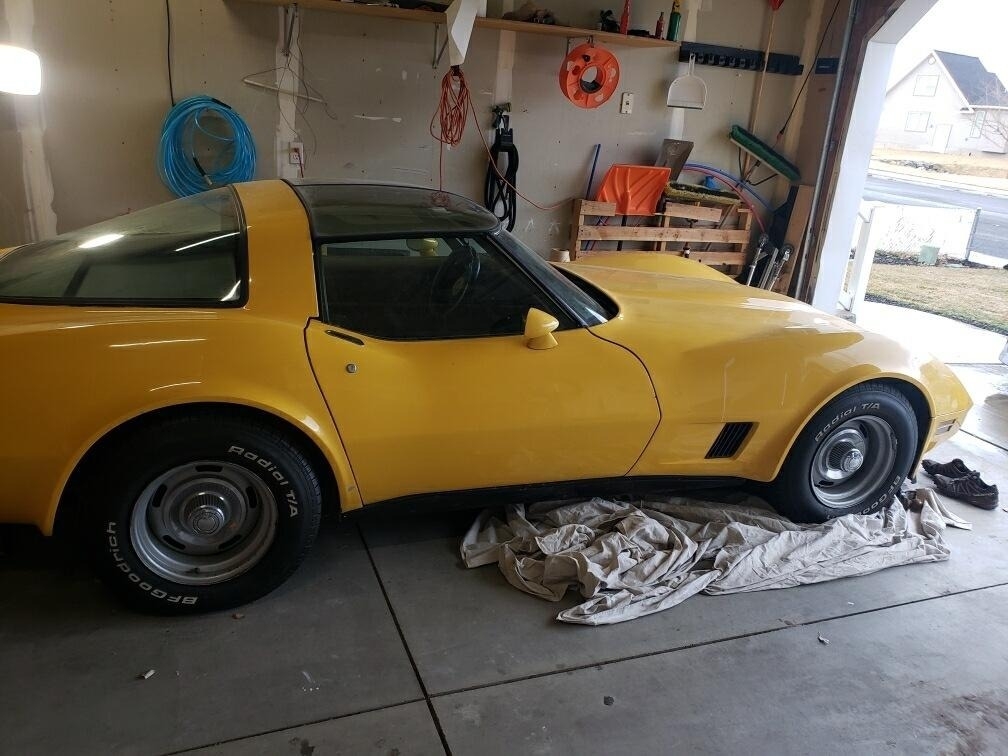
948 103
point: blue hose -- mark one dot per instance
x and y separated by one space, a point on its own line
736 181
178 163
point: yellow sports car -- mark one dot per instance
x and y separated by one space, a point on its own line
188 386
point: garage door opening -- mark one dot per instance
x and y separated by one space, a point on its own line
917 241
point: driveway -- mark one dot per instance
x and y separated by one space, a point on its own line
948 340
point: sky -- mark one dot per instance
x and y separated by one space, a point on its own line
970 27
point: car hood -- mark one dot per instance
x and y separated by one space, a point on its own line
731 348
718 305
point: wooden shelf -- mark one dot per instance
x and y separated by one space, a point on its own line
500 24
358 9
571 32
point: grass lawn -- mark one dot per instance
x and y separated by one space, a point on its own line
978 296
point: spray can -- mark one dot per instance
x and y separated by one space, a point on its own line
624 23
675 21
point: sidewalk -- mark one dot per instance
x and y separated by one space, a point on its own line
948 340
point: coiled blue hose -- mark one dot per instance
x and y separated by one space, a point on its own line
178 163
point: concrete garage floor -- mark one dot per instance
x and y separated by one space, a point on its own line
383 643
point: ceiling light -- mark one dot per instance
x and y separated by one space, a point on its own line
20 71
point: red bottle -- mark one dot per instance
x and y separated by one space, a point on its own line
624 23
659 29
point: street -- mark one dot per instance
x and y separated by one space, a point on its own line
992 229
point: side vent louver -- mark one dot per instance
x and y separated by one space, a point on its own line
729 440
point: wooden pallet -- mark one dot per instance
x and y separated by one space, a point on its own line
708 230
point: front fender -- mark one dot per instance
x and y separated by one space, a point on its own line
777 379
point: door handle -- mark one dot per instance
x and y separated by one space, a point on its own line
345 337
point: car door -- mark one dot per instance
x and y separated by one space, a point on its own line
433 388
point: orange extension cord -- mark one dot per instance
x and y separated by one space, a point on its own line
454 105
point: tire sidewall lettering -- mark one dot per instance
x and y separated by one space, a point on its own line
112 541
274 476
847 414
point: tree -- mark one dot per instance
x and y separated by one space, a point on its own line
990 118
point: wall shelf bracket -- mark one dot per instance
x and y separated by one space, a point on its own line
589 37
290 16
438 53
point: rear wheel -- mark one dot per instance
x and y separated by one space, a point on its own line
850 458
200 513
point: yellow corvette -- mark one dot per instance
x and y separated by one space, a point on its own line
188 385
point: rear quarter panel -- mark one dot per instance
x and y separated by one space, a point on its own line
71 374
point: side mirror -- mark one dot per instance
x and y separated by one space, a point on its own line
539 327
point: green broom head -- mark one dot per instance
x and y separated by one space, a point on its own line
763 152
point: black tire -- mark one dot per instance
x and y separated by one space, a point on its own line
204 452
878 412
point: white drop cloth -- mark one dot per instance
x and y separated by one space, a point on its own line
630 560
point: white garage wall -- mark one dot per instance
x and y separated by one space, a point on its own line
105 96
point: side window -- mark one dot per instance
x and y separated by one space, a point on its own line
189 251
427 288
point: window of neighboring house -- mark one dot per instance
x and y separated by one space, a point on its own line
182 253
917 121
979 121
926 85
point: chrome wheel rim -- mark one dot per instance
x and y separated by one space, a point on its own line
852 461
203 522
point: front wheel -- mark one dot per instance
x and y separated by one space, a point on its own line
851 457
202 513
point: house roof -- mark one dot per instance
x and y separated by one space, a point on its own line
979 87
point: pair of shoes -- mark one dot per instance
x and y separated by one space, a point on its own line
968 488
954 469
956 480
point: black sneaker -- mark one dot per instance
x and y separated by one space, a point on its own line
954 469
968 488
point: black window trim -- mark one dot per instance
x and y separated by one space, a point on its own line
594 294
242 269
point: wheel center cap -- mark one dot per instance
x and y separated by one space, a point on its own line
205 515
852 461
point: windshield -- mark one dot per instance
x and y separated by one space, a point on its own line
588 308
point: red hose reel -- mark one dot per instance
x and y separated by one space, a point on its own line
589 75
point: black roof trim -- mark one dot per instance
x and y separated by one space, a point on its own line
355 210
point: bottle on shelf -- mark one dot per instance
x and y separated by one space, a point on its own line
624 24
675 21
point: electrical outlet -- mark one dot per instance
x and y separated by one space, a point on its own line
295 153
626 103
